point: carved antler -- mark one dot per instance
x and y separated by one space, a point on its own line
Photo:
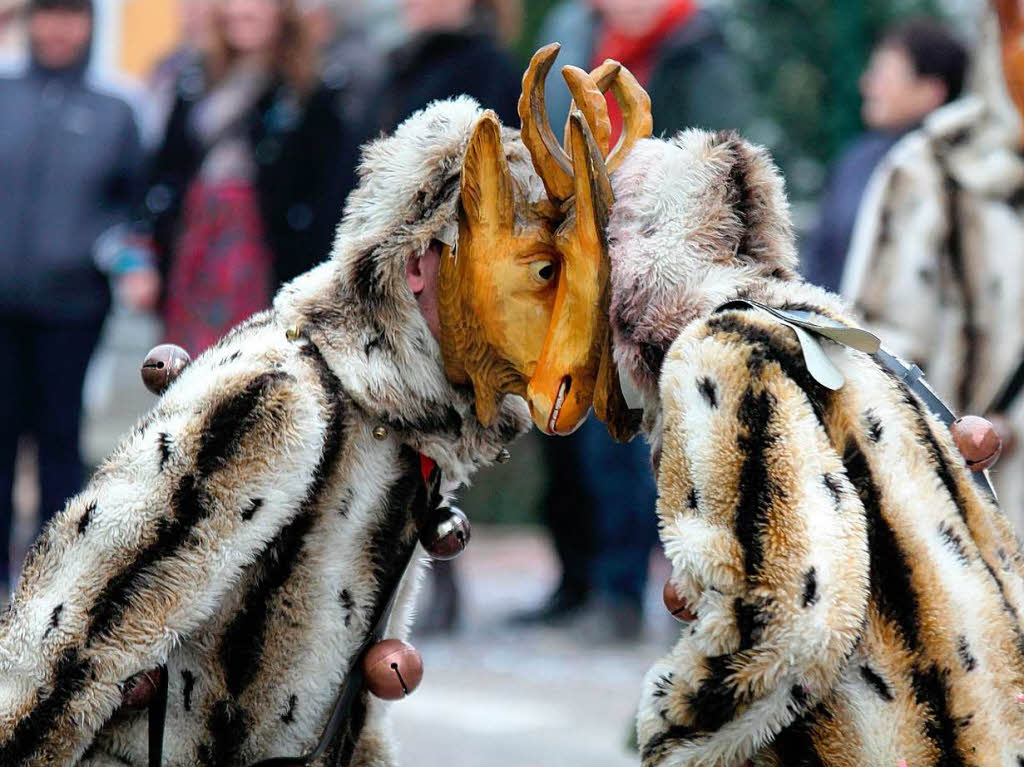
551 161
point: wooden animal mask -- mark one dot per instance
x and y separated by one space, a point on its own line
576 369
1011 32
524 292
497 284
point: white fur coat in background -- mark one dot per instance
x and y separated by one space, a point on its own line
858 601
251 528
936 266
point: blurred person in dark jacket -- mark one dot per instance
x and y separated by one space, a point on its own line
601 519
916 68
455 47
350 63
248 184
70 162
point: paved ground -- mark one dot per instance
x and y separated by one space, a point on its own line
512 697
491 695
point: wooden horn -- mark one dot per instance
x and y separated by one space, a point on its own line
588 96
549 159
637 122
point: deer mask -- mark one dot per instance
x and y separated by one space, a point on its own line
524 291
576 369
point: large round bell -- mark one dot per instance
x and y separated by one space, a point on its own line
447 535
677 606
393 669
162 365
139 690
977 441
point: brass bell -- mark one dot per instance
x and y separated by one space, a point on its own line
139 690
678 607
162 365
503 456
393 669
447 535
379 433
977 441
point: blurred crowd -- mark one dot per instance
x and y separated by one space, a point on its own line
227 176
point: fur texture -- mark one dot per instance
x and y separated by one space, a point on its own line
858 601
248 532
936 261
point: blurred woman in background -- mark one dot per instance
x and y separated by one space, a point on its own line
252 172
454 47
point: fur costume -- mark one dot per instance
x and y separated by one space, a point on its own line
249 531
936 262
858 601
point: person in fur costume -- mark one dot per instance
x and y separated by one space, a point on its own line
852 594
937 258
856 600
248 534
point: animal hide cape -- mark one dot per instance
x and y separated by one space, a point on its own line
250 529
858 601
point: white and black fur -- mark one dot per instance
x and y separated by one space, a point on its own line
250 529
859 602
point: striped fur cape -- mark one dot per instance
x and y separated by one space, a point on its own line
250 529
858 601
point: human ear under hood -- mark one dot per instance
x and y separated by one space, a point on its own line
698 220
358 309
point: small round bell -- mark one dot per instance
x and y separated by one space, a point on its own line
504 456
162 365
380 433
139 690
675 605
393 669
448 535
977 441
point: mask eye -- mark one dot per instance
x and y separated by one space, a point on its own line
543 270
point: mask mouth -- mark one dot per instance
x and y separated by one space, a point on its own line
563 391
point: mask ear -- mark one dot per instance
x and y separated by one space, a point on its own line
593 202
486 192
592 190
486 224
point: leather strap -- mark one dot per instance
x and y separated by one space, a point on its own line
806 324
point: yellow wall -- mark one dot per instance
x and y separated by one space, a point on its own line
149 30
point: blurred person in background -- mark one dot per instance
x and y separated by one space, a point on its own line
916 68
249 181
936 266
162 84
454 47
674 48
351 65
602 519
70 165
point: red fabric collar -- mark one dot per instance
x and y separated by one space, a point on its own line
639 53
427 466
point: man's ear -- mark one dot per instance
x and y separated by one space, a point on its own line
486 191
414 274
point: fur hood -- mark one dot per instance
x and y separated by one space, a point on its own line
358 310
698 220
